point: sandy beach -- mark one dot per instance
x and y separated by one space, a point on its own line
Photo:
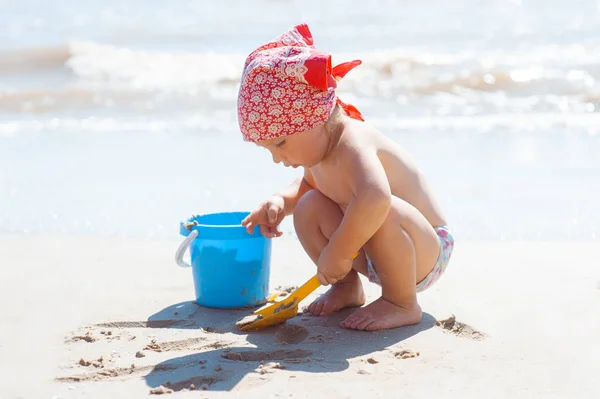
119 119
115 317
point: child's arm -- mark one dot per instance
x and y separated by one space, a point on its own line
369 206
271 212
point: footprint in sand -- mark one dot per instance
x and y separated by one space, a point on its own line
459 329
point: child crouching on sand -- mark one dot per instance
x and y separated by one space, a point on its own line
360 191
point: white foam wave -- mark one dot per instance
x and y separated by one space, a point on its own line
120 67
576 67
226 123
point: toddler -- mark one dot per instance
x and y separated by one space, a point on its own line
360 192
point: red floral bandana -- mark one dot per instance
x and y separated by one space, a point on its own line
289 87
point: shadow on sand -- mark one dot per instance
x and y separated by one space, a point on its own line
316 345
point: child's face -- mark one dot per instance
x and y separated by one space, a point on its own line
301 149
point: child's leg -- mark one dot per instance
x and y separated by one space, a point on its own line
316 218
403 251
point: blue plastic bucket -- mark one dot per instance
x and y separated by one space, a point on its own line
230 267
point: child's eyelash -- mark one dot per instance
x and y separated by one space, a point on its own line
280 143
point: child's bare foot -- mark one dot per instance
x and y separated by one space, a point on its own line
345 294
381 315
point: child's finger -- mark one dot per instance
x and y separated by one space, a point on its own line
322 279
250 218
272 213
270 232
264 230
250 227
276 232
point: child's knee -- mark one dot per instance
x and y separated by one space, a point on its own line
306 203
306 209
311 204
313 210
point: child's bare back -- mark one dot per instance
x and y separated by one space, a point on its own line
405 179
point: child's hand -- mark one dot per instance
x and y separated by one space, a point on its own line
268 216
331 268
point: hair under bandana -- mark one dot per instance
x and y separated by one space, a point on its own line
288 86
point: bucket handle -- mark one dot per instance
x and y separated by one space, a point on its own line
183 247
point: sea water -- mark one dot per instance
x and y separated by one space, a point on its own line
119 118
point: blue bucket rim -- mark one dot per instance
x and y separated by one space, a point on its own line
238 226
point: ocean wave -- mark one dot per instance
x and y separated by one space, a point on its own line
560 70
562 78
419 70
119 67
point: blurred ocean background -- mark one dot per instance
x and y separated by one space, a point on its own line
119 117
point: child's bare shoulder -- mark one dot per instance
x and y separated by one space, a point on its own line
365 151
357 153
360 140
356 138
